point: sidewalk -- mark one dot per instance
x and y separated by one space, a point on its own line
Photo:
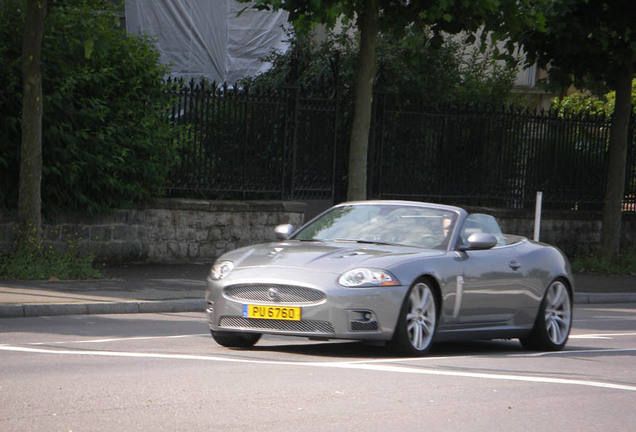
158 288
148 288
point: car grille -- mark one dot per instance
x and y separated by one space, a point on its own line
271 293
364 326
305 326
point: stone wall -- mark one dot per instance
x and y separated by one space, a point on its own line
576 233
180 230
170 230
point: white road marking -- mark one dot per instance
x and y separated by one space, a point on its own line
591 337
88 341
341 365
601 335
505 377
575 352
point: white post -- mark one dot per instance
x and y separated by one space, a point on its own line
537 216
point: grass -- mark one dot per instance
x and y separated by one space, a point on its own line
625 264
34 261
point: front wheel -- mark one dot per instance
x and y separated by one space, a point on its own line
554 321
235 339
417 322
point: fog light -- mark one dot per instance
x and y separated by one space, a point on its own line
363 321
362 316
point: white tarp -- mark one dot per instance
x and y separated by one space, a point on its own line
207 38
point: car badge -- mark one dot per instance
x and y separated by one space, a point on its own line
273 294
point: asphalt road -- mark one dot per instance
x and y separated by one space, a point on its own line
164 373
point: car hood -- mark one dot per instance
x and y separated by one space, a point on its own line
324 256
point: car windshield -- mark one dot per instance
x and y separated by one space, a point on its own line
423 227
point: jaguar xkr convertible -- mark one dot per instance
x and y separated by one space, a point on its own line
407 273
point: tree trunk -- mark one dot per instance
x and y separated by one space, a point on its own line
619 131
364 77
29 195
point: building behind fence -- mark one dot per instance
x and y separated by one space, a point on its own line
293 145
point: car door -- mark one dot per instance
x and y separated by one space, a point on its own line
489 289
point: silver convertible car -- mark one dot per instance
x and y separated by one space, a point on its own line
407 273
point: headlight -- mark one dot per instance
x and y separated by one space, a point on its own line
364 277
221 269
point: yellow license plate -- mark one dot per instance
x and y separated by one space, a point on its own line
271 312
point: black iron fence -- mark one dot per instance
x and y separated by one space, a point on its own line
237 144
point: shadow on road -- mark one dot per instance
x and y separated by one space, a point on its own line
369 350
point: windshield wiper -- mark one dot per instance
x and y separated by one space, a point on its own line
382 243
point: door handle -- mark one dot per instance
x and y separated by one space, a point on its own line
514 265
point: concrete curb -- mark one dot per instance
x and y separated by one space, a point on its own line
52 309
601 298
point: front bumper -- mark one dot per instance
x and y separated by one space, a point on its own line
328 310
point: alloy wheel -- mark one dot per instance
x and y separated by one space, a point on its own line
558 314
421 316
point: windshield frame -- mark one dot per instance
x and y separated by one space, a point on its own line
399 223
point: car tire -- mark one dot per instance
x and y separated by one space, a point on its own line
235 340
554 320
417 323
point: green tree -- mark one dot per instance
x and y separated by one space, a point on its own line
495 17
580 103
583 103
409 68
106 140
584 42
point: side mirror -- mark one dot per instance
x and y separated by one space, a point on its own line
480 241
284 231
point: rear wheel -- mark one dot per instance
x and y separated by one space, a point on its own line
554 321
417 322
235 339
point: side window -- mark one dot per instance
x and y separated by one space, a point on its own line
481 223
